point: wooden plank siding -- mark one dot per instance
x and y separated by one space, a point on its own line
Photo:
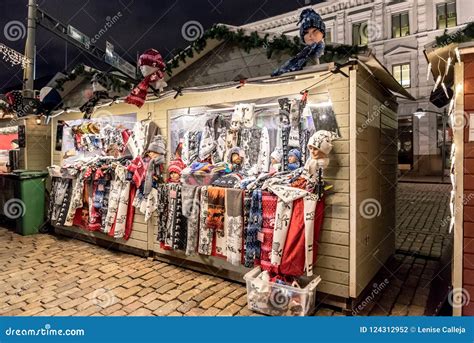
375 179
468 214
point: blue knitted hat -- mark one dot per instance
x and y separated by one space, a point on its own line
296 153
308 19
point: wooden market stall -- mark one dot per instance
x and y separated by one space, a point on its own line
357 236
461 112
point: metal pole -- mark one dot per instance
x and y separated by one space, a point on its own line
28 75
443 148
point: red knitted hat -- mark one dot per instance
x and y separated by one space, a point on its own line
176 166
151 58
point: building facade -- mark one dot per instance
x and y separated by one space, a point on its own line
397 31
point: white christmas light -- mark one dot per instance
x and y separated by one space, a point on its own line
12 56
445 89
448 64
458 54
438 80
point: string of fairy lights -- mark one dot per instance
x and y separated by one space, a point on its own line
12 56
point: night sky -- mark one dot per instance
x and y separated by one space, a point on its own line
142 24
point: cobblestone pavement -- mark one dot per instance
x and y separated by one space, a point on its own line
423 219
47 275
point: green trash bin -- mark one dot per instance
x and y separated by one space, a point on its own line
27 208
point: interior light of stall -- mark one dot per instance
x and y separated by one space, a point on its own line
321 104
459 89
458 54
38 120
428 72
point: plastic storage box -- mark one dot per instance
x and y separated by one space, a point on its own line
280 300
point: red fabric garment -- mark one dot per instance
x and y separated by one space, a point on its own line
138 95
130 212
293 260
138 168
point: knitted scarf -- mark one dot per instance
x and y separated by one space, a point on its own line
255 224
233 224
138 95
191 208
205 234
298 62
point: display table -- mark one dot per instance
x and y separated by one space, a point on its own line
22 200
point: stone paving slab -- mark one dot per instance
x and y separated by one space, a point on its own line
45 275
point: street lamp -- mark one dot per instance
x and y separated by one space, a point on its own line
419 113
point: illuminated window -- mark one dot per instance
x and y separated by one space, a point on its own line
400 25
359 34
401 73
328 37
446 14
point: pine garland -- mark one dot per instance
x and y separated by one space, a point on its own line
460 36
282 44
117 84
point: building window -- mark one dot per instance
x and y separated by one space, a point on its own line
401 73
328 36
400 25
359 34
446 14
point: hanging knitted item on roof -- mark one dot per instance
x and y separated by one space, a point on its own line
312 32
100 84
152 67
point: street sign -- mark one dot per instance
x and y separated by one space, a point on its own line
112 58
78 36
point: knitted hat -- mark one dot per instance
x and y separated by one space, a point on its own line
158 145
308 19
176 166
322 140
151 58
235 150
277 155
296 153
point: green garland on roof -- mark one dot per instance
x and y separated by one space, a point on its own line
116 84
282 44
465 34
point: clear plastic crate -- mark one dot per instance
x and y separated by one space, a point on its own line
280 300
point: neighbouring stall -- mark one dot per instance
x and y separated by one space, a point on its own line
452 61
294 175
25 153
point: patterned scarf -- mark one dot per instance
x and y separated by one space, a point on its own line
255 224
191 208
138 95
249 140
205 234
233 225
216 208
298 62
